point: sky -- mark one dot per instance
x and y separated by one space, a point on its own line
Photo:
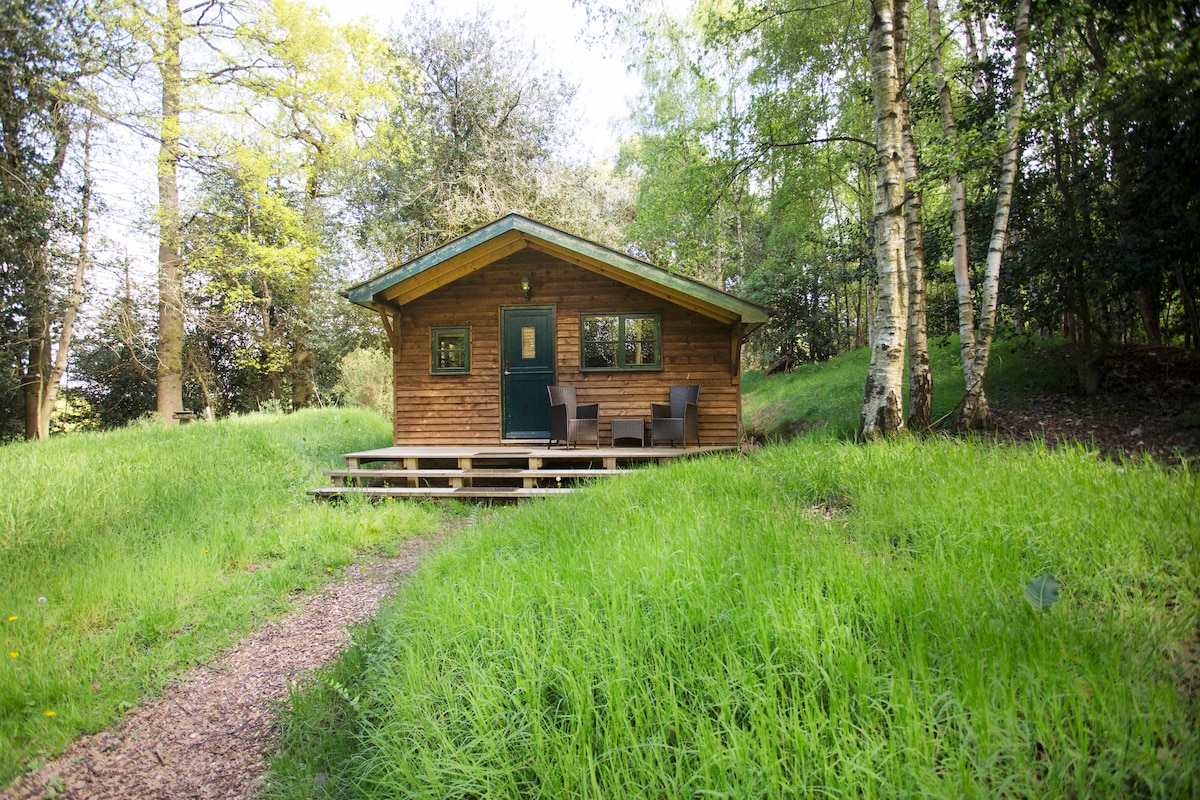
557 29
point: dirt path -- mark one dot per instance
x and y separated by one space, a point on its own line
210 734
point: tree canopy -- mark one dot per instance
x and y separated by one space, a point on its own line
292 155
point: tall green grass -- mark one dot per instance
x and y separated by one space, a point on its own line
126 557
817 620
828 397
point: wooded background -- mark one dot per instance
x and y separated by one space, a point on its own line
878 173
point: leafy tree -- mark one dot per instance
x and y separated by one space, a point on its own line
251 259
47 48
1108 211
476 140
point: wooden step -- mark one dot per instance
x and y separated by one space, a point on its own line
491 492
494 472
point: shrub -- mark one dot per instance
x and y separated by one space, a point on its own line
367 380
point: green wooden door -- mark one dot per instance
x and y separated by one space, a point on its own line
527 356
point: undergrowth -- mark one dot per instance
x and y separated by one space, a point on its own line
827 397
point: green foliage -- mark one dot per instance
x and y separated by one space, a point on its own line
251 257
826 397
367 380
816 619
156 547
44 50
114 361
479 137
1108 210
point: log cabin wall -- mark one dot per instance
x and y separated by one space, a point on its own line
465 409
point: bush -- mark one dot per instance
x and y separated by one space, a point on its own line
367 380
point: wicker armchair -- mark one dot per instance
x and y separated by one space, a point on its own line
677 421
571 423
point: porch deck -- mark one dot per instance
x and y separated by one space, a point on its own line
497 472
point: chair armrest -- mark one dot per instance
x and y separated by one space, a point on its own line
660 410
589 411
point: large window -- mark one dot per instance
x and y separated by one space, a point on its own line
450 351
621 341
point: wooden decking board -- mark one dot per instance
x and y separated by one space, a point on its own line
464 467
547 472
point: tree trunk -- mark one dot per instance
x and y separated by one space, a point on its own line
169 380
35 373
1189 307
54 379
976 413
958 207
920 377
882 411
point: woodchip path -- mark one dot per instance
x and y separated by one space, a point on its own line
209 736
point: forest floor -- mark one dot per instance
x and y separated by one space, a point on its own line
1148 406
212 732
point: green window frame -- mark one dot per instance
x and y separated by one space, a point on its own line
620 342
450 350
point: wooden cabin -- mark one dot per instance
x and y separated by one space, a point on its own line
482 325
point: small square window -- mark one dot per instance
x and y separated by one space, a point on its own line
450 351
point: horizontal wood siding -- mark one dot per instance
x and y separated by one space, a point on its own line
465 409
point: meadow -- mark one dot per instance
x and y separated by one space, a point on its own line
814 619
128 557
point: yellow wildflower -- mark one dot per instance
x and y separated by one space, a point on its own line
48 713
13 618
13 654
329 569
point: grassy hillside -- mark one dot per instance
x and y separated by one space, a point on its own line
818 619
828 397
128 556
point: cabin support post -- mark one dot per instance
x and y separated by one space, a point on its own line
391 324
736 336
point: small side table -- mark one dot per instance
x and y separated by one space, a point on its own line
629 429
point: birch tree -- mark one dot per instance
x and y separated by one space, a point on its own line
920 376
976 346
882 411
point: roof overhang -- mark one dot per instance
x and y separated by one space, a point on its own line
513 233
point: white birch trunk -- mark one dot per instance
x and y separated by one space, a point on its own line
883 397
958 208
920 376
975 413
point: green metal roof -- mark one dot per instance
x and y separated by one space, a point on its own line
620 266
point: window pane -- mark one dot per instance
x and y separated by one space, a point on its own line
528 342
598 328
451 350
640 337
639 354
620 341
599 355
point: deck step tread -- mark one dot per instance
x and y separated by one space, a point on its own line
481 472
436 491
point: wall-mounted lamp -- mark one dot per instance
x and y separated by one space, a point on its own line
525 286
